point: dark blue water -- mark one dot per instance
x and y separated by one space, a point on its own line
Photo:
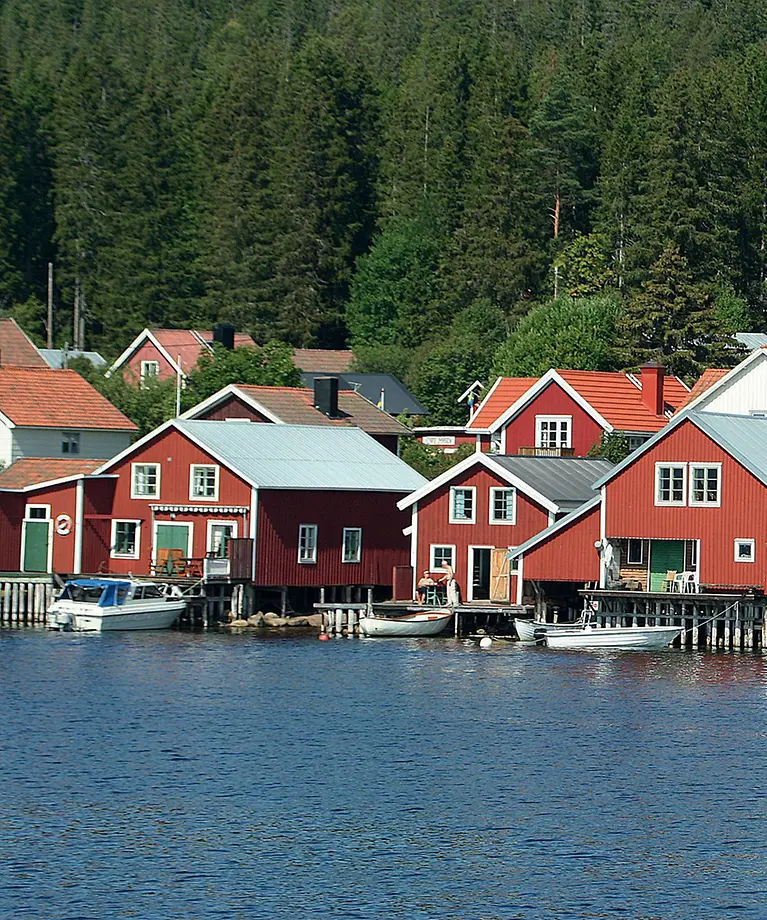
207 776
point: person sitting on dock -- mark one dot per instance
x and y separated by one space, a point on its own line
423 583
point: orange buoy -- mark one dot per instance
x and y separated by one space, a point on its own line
324 637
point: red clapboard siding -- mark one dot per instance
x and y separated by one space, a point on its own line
280 513
631 509
11 516
434 525
568 555
231 407
520 431
147 351
63 500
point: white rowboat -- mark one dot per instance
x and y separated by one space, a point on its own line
628 637
527 629
415 624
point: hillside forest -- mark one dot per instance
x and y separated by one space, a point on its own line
453 188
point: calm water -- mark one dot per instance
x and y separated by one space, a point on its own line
207 776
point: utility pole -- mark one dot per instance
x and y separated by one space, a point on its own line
76 318
50 305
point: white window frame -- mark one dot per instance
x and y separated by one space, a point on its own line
46 509
344 558
301 529
433 567
748 541
146 373
690 491
70 437
558 419
209 535
491 515
216 474
629 560
473 518
136 554
133 493
668 464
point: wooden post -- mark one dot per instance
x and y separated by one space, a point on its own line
284 600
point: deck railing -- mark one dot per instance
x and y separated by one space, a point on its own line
546 451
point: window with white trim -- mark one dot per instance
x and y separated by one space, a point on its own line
219 534
70 442
307 543
441 555
706 484
745 550
553 430
352 549
503 506
670 484
38 512
463 504
203 482
125 539
149 369
145 480
635 552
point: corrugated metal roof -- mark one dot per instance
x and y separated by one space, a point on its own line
752 340
304 456
744 437
554 528
567 481
58 357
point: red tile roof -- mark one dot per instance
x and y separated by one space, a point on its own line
16 349
295 406
48 398
706 380
613 395
187 345
323 360
29 471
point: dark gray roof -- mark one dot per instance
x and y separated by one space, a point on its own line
397 398
567 481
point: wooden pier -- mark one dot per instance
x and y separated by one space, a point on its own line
24 599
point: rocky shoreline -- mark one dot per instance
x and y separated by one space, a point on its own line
262 620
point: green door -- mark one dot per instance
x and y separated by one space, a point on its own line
37 536
173 536
665 556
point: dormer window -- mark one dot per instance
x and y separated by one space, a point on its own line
70 442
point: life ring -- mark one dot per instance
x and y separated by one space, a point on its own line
63 525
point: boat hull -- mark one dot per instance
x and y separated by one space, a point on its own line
527 629
420 624
108 619
628 637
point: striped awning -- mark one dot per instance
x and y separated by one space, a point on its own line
203 509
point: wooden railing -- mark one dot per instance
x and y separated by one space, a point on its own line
546 452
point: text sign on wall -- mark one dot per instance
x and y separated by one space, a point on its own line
441 440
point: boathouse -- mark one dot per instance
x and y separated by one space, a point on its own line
471 515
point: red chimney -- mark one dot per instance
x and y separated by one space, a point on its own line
652 386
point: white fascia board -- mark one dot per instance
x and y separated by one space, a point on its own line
554 528
476 384
489 463
231 390
108 464
745 364
59 482
551 376
481 406
145 336
453 429
6 421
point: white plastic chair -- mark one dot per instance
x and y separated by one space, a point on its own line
685 583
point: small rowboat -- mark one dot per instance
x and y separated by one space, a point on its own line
415 624
627 637
530 631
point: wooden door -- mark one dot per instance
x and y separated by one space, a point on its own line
665 556
499 575
37 537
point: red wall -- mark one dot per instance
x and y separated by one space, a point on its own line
631 510
147 352
460 439
175 453
11 515
383 543
231 407
434 525
520 431
569 555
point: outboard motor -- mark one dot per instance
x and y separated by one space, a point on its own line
64 621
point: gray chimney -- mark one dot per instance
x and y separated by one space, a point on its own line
326 395
223 333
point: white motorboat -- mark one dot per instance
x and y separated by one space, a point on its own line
530 631
625 637
101 604
415 624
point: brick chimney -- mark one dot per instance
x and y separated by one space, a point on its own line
652 375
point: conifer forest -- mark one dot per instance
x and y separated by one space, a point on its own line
453 188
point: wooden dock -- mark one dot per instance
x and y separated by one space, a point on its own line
24 599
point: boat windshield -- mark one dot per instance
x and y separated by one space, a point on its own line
82 595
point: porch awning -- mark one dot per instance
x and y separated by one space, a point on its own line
203 509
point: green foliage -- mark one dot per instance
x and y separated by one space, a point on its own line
613 446
271 365
430 461
584 266
564 333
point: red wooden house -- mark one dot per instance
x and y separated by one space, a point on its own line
471 516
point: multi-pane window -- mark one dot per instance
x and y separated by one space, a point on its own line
145 482
502 506
670 484
125 539
219 534
307 543
352 551
462 505
441 555
553 431
745 550
705 484
635 552
203 482
149 369
70 442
